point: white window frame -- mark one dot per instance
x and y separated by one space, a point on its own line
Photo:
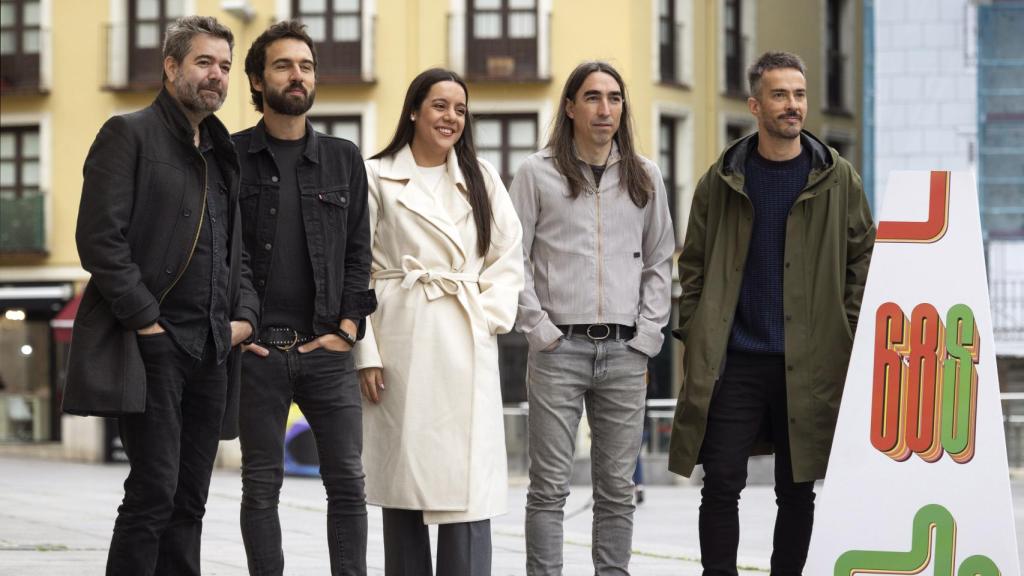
848 48
684 160
117 48
457 37
542 108
684 21
726 118
46 45
367 38
749 31
844 135
43 121
367 113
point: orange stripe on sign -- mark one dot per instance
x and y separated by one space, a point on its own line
930 230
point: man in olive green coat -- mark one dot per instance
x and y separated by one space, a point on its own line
772 273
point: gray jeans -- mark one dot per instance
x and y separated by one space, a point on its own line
608 378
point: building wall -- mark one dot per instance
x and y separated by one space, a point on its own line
410 35
925 88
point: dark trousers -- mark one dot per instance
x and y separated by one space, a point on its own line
752 389
463 548
324 385
171 448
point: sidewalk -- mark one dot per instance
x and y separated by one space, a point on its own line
56 519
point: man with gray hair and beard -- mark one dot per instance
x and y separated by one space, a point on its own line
168 303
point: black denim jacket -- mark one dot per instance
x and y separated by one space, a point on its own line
332 185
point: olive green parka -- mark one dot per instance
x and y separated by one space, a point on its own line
829 238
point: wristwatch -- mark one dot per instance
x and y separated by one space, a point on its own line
344 335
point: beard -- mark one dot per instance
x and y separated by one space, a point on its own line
780 128
192 97
289 104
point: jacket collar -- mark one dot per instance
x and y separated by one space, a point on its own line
401 167
733 161
613 157
258 141
170 112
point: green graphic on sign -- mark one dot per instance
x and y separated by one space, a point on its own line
933 543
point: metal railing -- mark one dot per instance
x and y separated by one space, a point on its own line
22 72
1013 426
23 223
537 61
1007 309
660 414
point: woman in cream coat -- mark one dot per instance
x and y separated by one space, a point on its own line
447 269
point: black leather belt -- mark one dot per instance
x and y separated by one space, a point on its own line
598 331
282 337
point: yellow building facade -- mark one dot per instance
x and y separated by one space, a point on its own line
68 65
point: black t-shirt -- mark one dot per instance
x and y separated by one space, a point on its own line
289 298
598 171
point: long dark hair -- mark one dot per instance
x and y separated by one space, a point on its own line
635 179
465 151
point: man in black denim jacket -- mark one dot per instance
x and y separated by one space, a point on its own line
306 226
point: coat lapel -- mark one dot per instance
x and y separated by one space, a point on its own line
402 168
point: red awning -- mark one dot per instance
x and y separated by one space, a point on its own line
65 320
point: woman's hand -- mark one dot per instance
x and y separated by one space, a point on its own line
371 380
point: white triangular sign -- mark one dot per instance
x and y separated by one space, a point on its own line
918 481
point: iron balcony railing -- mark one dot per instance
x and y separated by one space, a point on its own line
23 223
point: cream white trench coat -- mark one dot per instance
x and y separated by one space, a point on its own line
436 442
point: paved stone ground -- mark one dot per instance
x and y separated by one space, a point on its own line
56 518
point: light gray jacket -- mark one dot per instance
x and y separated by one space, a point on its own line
597 258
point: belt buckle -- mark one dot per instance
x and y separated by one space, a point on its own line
289 346
607 331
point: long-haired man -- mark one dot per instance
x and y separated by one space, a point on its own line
597 245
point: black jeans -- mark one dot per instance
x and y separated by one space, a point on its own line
463 548
324 385
752 389
171 448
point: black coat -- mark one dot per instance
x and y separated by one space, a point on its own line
143 179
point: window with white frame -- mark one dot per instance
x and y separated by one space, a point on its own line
737 44
673 49
839 47
843 142
505 140
348 127
21 40
134 39
338 29
502 39
736 127
147 27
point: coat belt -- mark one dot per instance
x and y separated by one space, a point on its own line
436 283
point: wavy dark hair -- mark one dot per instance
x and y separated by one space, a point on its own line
256 58
635 179
465 150
179 35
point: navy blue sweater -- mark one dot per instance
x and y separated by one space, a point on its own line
759 325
